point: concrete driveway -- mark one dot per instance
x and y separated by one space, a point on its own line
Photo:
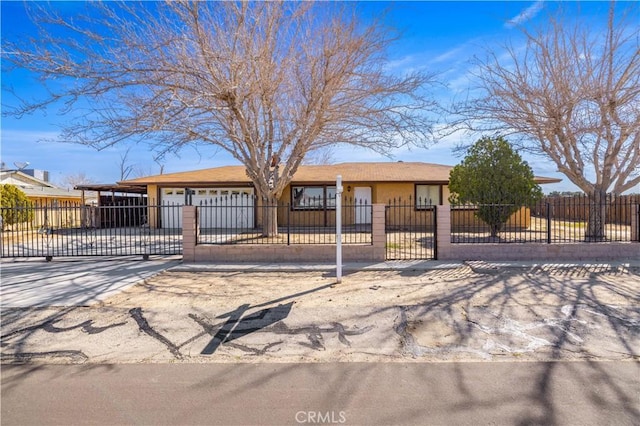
73 282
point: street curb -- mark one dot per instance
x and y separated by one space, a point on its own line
391 266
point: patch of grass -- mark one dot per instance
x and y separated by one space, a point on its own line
393 245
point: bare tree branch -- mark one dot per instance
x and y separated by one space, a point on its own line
126 168
260 80
571 94
72 180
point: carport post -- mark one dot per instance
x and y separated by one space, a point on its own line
339 228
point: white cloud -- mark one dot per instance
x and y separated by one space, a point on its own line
453 137
525 15
451 54
401 63
22 136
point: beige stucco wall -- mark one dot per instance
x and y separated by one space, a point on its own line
445 195
287 215
381 193
73 201
49 212
152 195
153 200
466 219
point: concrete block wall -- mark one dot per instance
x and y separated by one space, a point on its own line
528 251
376 251
239 253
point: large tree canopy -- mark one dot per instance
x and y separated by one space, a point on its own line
266 81
572 92
496 179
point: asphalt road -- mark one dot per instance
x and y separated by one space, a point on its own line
501 393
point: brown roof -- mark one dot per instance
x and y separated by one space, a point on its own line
350 172
374 172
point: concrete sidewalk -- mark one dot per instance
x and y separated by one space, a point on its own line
85 281
392 265
73 282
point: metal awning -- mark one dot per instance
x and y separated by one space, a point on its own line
112 187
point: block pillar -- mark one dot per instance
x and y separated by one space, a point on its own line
635 222
443 232
189 228
378 234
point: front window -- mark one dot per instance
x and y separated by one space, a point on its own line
313 197
427 196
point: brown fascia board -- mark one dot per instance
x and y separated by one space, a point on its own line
191 184
544 180
201 184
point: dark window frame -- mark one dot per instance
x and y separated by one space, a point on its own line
422 207
324 204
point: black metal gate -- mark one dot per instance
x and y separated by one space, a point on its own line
410 228
66 229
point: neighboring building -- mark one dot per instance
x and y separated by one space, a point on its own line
311 188
42 193
36 186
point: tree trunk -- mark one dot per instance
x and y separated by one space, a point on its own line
494 229
269 217
597 216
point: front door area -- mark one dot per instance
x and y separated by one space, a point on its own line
362 201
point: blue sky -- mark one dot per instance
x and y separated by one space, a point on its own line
435 36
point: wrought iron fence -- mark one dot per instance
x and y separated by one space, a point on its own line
580 218
247 219
411 229
68 229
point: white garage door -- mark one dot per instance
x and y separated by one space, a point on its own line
172 200
229 208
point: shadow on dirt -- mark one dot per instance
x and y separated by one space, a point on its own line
238 326
563 312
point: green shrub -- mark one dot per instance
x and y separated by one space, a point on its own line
15 206
494 178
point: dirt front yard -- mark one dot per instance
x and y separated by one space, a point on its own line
475 311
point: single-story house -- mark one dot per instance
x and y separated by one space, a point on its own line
36 186
312 188
42 193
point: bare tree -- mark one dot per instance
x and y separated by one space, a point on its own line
148 170
72 180
265 81
573 94
321 156
126 168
